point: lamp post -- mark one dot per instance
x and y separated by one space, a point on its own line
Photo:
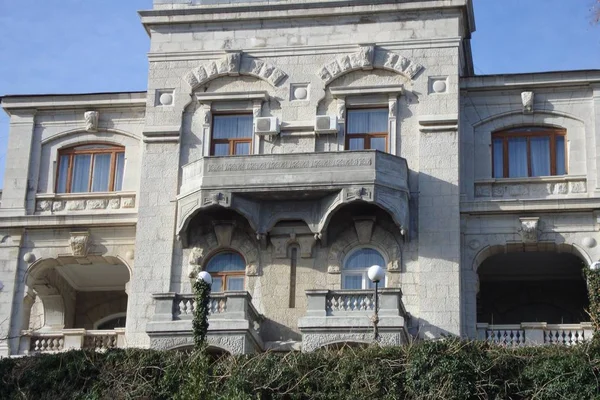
376 274
202 298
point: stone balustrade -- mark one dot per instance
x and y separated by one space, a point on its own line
234 323
71 339
535 333
335 316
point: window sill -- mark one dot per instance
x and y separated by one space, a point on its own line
63 203
531 187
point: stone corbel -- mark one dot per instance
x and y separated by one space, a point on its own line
252 269
341 110
224 232
80 242
91 120
529 229
527 99
207 114
280 244
262 239
195 261
393 107
364 228
306 245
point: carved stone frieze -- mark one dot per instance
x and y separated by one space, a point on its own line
234 64
535 189
314 341
91 204
91 120
529 229
295 164
80 242
366 58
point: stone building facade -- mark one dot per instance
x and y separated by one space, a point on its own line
285 147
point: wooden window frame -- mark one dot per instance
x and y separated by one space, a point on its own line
226 274
366 136
114 150
231 142
536 131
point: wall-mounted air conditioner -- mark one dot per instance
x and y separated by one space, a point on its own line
266 126
326 124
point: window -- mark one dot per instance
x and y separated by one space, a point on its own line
231 135
354 274
367 129
227 270
116 322
90 168
529 151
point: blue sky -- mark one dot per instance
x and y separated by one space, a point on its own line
78 46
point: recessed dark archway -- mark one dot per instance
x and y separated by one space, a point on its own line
532 287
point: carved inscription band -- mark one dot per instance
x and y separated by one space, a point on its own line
257 166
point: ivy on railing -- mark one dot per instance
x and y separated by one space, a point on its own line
200 322
593 281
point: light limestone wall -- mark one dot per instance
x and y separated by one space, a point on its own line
430 274
11 271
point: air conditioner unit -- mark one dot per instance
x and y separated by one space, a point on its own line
326 124
266 126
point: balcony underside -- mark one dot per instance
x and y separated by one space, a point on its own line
266 189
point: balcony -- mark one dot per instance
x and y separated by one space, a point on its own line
44 342
308 186
345 316
234 323
535 333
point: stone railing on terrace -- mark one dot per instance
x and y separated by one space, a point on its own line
70 339
85 202
549 187
335 316
317 171
535 333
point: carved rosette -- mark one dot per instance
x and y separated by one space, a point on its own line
80 242
529 229
234 64
366 58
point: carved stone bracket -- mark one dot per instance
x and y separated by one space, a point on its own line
91 120
234 64
366 58
364 228
224 232
217 198
80 242
281 243
529 229
527 99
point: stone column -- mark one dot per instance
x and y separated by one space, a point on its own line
596 143
18 155
155 233
439 226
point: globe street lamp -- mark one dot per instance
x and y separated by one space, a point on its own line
376 274
202 288
205 276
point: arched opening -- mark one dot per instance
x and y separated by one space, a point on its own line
356 265
78 293
228 270
537 286
345 345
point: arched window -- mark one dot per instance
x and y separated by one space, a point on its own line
529 151
227 270
90 168
112 322
354 274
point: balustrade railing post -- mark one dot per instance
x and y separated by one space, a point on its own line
25 342
482 329
120 337
534 332
316 303
164 305
73 338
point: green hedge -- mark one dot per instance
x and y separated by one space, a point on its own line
448 369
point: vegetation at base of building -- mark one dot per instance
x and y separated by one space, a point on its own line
593 285
448 369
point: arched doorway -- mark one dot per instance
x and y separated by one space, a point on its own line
537 286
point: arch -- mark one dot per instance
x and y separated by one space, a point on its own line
109 318
70 132
367 58
344 344
370 256
519 113
233 64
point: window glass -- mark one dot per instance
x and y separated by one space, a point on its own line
221 149
119 171
228 271
226 262
561 168
90 168
235 283
378 143
517 156
81 173
242 148
217 284
356 144
529 152
101 174
540 156
498 158
232 126
63 174
374 120
354 274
